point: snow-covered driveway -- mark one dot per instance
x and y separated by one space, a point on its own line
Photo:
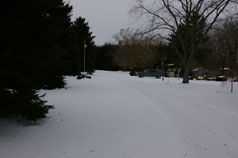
114 115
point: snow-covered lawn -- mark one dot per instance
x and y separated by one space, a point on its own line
114 115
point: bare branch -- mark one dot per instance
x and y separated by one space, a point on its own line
158 16
188 20
167 6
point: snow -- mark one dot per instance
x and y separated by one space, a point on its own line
114 115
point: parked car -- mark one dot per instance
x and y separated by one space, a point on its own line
221 78
151 73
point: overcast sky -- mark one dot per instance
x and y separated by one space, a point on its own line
105 17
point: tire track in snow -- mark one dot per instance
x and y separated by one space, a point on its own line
147 100
182 102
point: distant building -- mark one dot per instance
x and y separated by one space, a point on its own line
225 71
172 70
199 72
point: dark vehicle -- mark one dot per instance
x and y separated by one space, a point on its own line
221 78
152 73
132 73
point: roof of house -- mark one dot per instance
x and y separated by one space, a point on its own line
199 68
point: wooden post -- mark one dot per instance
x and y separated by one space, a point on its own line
231 85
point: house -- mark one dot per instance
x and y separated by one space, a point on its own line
226 71
172 70
199 73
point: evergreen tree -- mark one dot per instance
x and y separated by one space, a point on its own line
34 43
105 57
55 44
81 33
191 34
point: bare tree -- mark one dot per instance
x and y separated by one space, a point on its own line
225 45
231 30
189 21
134 51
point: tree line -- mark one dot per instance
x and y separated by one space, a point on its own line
184 24
135 52
185 33
40 44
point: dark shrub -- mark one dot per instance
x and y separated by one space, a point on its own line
133 73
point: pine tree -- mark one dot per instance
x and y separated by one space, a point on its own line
81 32
32 54
105 57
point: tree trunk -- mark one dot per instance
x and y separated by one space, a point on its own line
185 75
